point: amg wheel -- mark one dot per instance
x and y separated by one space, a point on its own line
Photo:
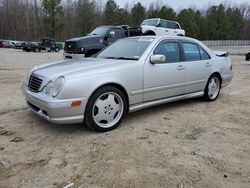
212 89
106 109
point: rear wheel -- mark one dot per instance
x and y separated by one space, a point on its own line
212 89
247 57
106 109
149 33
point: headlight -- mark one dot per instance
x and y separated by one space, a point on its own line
48 88
57 86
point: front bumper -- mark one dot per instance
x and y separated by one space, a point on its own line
67 56
54 110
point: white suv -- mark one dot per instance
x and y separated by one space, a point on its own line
158 26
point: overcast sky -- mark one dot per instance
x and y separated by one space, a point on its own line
181 4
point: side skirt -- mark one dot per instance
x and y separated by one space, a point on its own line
166 100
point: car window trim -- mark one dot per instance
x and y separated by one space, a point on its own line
204 51
190 42
169 41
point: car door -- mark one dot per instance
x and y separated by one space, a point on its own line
166 79
171 27
162 28
197 65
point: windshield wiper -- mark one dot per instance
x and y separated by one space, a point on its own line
123 58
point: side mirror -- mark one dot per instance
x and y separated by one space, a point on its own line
157 59
112 34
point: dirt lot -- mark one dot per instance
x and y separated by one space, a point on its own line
184 144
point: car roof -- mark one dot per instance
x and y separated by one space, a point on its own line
166 37
161 19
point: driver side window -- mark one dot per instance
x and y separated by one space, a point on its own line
170 50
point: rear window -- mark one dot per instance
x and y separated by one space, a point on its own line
204 54
194 52
191 51
173 25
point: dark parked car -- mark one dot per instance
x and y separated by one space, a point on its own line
248 56
1 44
5 44
47 44
30 46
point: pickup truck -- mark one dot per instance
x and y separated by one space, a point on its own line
161 27
99 38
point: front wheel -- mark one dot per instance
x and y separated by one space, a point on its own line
212 89
106 109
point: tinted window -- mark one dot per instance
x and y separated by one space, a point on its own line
170 50
172 25
118 32
100 31
163 23
204 54
191 51
151 22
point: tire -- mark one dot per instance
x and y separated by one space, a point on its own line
57 49
105 109
247 57
212 89
149 33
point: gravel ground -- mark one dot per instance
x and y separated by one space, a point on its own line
183 144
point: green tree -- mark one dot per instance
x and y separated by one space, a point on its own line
53 11
202 25
167 13
86 11
236 22
110 12
122 17
218 23
187 21
137 14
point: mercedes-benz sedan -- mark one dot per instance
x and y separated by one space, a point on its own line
131 74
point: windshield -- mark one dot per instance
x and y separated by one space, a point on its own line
127 49
100 31
152 22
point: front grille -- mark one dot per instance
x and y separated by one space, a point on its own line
34 83
71 47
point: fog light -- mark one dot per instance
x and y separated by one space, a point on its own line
76 103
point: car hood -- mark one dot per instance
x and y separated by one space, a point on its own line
83 67
86 39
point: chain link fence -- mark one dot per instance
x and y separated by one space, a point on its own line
234 47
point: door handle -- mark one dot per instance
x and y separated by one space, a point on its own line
180 67
208 64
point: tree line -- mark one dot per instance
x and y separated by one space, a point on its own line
33 19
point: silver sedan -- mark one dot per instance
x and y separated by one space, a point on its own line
129 75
